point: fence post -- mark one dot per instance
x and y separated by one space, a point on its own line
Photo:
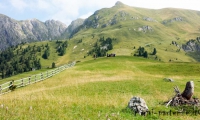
0 89
35 78
29 80
47 74
22 82
41 77
52 72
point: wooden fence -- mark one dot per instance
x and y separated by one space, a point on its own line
5 88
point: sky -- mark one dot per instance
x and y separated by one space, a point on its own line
68 10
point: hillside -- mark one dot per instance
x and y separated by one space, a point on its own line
101 89
26 59
14 32
168 30
134 27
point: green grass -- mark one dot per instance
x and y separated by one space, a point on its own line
101 89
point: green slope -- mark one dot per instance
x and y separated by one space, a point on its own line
101 88
126 31
46 64
124 23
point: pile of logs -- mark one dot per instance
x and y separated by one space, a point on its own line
184 98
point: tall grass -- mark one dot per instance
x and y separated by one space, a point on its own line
100 89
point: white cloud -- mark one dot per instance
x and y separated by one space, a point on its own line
158 4
19 4
86 15
41 4
68 10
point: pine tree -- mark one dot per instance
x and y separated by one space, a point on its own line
39 66
46 54
145 54
154 51
53 65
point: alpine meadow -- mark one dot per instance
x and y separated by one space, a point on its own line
121 53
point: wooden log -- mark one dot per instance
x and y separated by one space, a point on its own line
189 90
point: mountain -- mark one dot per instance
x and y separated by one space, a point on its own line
74 25
167 30
134 27
13 32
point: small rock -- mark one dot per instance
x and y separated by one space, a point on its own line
168 79
138 105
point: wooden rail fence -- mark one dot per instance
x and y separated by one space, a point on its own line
5 88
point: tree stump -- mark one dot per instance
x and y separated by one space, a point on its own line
184 98
189 90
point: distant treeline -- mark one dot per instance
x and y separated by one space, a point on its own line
16 59
141 52
23 57
61 47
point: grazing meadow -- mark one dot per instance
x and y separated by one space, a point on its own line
101 89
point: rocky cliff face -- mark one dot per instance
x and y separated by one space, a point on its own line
74 27
192 45
13 32
75 24
55 28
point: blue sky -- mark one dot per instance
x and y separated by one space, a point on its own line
68 10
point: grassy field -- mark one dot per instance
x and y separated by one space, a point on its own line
101 89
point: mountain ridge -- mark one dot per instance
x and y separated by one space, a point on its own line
14 32
134 27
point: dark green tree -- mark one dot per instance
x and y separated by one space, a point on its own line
46 54
154 51
53 65
39 66
145 54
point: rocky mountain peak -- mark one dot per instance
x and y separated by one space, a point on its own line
13 32
118 3
75 24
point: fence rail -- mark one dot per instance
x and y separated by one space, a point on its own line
5 88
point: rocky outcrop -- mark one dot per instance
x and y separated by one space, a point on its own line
149 19
145 28
74 25
55 28
118 3
176 19
13 32
192 45
34 30
134 18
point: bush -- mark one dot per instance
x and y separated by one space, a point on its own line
53 65
12 87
